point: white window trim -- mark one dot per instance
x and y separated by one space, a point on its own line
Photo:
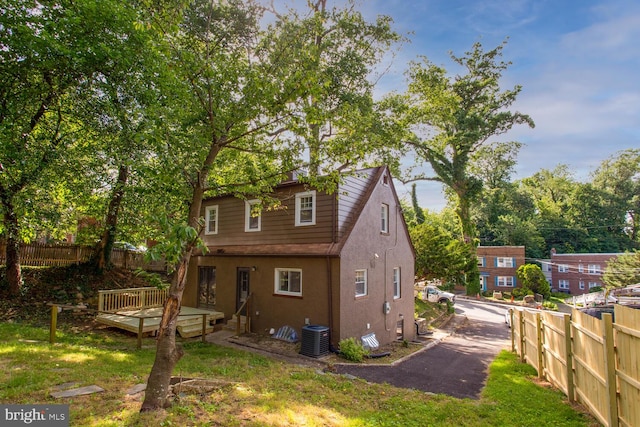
366 289
384 218
299 196
504 262
593 268
248 205
563 268
276 284
397 283
563 284
207 219
505 281
581 284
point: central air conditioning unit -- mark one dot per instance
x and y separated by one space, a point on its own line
315 341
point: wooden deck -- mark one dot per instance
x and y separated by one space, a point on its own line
191 321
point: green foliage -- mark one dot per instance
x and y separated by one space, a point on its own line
622 270
352 350
532 278
519 293
549 305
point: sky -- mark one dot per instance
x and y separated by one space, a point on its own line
578 62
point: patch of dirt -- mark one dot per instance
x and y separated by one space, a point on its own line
73 285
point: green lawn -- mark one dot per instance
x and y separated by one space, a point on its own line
254 390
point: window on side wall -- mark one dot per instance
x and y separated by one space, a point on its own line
396 283
288 281
211 219
384 216
361 283
306 208
563 284
252 217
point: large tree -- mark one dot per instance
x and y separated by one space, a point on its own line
454 116
240 98
46 50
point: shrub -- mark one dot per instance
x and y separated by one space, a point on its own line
550 305
352 350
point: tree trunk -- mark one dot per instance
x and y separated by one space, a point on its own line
103 252
14 272
167 353
468 235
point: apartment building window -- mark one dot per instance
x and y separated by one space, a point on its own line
396 282
252 217
306 208
505 262
593 285
211 219
505 281
288 281
581 284
593 269
563 268
481 261
361 283
384 216
580 268
563 284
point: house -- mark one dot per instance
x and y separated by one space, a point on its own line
342 260
576 274
498 266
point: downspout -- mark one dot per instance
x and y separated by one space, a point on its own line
386 254
328 265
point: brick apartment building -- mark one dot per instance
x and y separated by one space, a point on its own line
576 274
498 265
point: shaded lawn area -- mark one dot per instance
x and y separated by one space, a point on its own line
254 390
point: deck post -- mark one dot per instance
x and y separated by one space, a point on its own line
54 321
140 326
204 327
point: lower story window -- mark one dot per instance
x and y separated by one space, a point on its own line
593 284
505 281
563 284
396 283
361 283
288 281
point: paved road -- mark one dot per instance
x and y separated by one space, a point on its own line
457 366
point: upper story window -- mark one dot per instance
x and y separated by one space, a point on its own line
593 269
288 281
252 217
563 284
396 283
361 283
211 219
481 261
306 208
563 268
385 179
384 216
504 262
580 268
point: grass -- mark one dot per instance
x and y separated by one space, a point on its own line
254 390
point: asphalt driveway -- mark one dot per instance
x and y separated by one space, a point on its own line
457 366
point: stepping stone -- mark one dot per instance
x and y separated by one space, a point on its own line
65 386
77 391
137 389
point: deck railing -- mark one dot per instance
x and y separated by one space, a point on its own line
114 300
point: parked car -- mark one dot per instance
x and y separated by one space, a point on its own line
126 246
433 294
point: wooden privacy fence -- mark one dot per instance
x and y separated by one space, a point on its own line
593 361
63 254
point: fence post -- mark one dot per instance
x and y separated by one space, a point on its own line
204 328
54 321
539 343
523 339
569 355
610 366
140 327
513 333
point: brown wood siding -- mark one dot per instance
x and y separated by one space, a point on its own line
277 226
